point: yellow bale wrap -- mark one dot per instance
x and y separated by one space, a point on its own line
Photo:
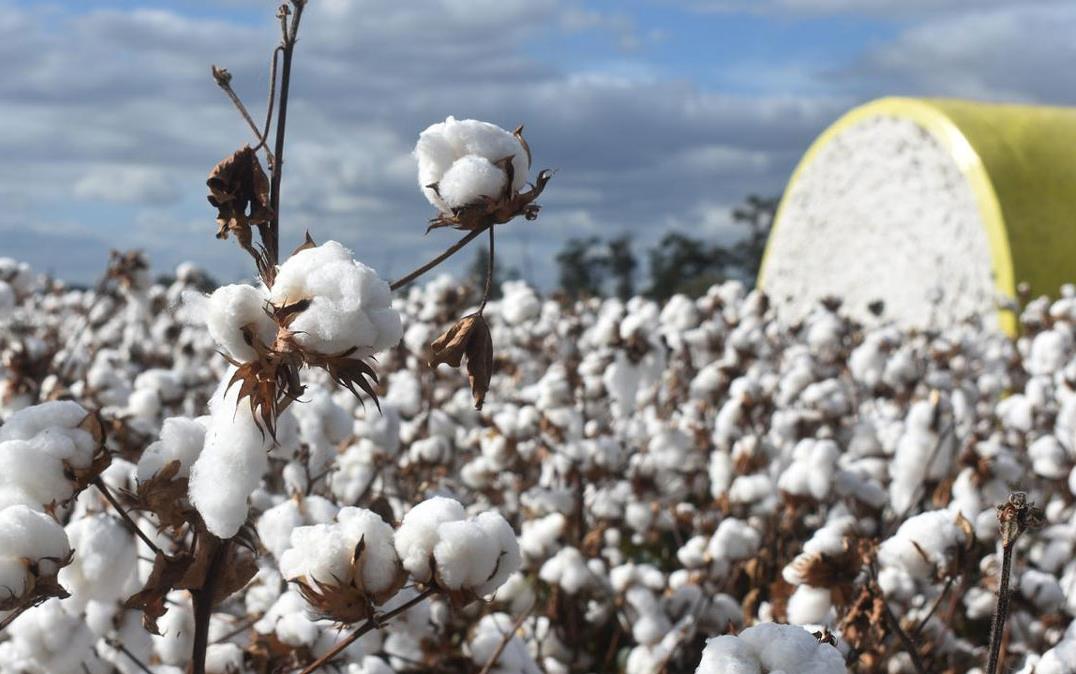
1020 162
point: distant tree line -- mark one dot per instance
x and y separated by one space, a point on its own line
678 263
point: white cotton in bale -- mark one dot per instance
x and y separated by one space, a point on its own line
230 465
350 307
459 157
880 211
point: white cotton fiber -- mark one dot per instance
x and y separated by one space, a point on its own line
105 559
470 179
882 212
922 543
417 534
464 554
181 439
28 537
229 310
35 444
381 562
231 465
350 308
459 157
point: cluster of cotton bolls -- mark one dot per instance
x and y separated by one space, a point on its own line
649 487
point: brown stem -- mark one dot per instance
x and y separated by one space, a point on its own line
373 623
933 609
452 250
10 618
269 107
118 645
203 601
103 488
224 81
1001 610
287 47
489 274
504 639
894 624
242 627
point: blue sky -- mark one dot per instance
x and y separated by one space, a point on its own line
659 114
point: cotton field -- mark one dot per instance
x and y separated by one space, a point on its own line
692 487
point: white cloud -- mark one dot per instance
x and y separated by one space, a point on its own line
892 8
126 185
1016 53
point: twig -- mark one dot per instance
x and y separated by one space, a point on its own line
452 250
488 667
270 105
103 488
10 618
489 273
373 623
894 623
1015 518
224 81
203 601
937 602
1001 610
118 645
287 49
242 627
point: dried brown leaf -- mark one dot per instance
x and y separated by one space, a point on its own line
166 574
164 495
470 336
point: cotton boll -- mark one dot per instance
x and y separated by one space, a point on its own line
223 659
486 643
508 553
105 559
173 645
350 307
36 443
734 540
28 537
47 638
234 307
470 179
1048 458
922 543
417 535
1042 589
791 648
380 564
181 439
230 466
568 569
444 145
810 606
728 654
464 554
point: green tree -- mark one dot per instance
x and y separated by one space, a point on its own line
621 264
757 214
680 264
582 270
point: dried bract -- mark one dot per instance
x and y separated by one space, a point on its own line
469 337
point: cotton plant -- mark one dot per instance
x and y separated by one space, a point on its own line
638 479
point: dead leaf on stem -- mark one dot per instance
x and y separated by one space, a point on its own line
469 337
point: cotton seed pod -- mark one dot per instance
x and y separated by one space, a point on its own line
348 600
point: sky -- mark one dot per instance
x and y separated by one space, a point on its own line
659 115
